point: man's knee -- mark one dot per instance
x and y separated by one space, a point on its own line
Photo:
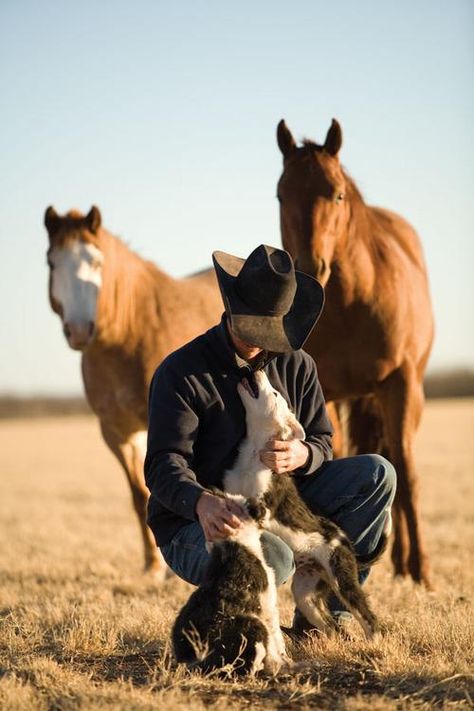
387 476
279 556
380 474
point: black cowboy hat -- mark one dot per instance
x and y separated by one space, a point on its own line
268 303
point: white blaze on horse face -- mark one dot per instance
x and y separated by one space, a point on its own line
76 280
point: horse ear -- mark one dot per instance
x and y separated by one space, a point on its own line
285 140
333 141
51 220
93 219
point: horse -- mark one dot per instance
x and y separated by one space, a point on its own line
374 337
125 315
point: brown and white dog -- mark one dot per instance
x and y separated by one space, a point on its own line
324 557
231 621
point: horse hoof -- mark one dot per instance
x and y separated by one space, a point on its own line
421 576
375 637
157 574
426 582
400 569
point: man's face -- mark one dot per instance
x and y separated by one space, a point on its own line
247 351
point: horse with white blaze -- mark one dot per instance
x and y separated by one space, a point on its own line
125 315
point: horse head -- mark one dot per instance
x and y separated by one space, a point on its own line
75 263
312 192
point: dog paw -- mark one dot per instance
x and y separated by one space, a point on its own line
274 665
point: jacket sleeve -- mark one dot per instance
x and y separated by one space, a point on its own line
315 420
172 430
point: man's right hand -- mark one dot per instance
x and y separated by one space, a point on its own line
219 517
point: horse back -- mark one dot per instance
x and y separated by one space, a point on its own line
402 296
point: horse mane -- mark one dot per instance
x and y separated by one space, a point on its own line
363 216
311 145
74 215
127 297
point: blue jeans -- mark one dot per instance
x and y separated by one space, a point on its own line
355 492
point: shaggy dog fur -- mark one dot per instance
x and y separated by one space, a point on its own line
231 621
324 557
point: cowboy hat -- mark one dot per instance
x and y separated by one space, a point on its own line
268 303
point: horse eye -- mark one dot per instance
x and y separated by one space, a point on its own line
340 197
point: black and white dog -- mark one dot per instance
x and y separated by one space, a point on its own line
324 557
231 621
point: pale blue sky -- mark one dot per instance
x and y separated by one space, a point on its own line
164 115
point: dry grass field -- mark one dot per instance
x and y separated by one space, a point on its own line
82 628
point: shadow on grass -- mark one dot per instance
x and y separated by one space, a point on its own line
324 686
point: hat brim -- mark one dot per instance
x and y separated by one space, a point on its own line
279 334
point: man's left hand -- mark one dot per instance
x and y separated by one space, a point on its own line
283 457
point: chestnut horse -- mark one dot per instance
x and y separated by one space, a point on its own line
375 334
125 315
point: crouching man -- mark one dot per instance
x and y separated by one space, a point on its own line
197 420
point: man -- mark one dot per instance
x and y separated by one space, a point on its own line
197 420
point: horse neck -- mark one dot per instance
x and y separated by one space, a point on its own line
126 309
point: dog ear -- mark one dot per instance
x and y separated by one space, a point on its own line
256 509
296 428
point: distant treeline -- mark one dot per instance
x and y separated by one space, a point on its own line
442 384
458 382
40 406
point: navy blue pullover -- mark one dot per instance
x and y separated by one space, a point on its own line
197 420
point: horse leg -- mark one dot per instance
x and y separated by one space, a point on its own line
367 436
401 399
337 412
401 541
358 426
131 454
365 427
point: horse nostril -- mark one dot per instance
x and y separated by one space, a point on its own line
78 333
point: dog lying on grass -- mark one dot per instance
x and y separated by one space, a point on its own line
324 557
231 621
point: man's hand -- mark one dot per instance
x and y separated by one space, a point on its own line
219 517
282 457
